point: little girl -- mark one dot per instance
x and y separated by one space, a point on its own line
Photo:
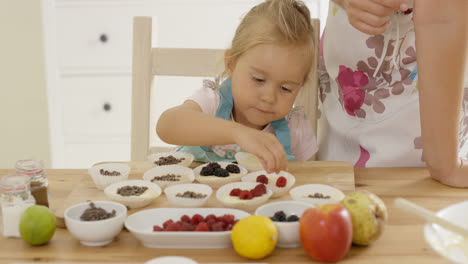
252 109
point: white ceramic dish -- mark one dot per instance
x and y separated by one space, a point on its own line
188 158
301 192
187 173
171 260
95 233
172 191
141 225
248 161
444 242
133 202
102 181
272 177
216 182
229 201
288 232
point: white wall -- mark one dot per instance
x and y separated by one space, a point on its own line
24 131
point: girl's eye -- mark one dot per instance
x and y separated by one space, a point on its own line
258 79
286 89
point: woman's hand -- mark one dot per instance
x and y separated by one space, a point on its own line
262 144
372 16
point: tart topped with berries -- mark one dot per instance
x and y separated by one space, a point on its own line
217 174
243 195
279 183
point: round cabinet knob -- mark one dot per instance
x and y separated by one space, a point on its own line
103 38
107 107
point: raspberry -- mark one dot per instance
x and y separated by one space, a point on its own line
281 182
245 195
174 227
220 172
235 192
187 227
196 219
211 216
219 226
185 218
167 223
202 227
228 219
232 168
229 228
262 179
157 228
211 222
261 188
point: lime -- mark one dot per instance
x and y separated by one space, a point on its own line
37 225
254 237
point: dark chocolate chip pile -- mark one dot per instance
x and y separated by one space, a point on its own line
280 216
131 190
167 177
94 213
109 173
190 194
319 196
169 160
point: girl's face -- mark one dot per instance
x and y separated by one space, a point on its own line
265 82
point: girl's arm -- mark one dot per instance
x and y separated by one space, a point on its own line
441 44
187 125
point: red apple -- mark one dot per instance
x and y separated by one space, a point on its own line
326 232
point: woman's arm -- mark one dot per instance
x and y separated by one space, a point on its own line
441 45
187 125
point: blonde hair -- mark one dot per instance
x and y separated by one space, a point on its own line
273 21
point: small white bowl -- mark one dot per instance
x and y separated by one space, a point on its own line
187 173
133 202
301 192
445 243
223 196
217 182
173 190
272 177
188 158
95 233
288 232
102 181
248 161
171 260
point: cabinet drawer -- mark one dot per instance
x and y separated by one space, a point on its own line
96 105
84 155
95 36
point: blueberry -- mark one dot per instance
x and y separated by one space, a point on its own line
293 218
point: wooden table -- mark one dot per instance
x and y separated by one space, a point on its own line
402 241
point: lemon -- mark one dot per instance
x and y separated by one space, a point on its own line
37 225
254 237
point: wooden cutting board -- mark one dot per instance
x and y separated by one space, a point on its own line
335 173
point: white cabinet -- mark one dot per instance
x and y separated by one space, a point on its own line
88 49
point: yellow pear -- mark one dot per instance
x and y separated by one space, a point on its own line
369 216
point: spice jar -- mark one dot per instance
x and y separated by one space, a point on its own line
16 198
39 183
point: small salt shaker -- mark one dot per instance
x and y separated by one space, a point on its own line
15 199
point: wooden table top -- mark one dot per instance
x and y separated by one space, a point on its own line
402 241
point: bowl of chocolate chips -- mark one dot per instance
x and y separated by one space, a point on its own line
168 175
108 173
285 215
95 223
171 158
133 193
188 195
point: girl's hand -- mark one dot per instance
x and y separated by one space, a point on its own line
262 144
372 16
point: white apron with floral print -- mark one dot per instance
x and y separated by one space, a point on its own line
368 94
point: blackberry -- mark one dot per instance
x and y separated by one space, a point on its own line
220 172
293 218
232 168
281 216
207 171
213 165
